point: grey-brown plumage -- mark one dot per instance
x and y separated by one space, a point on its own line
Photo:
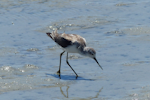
72 43
61 41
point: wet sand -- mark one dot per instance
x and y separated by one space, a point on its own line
119 32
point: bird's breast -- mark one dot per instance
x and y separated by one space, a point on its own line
71 49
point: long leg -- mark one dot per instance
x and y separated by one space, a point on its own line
70 66
60 64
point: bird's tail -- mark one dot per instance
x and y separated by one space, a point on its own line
53 34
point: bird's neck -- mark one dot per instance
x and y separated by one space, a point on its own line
84 51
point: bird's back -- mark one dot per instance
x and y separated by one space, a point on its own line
65 40
74 38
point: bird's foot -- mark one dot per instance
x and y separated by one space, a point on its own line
58 73
76 76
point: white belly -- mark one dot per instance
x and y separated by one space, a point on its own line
71 49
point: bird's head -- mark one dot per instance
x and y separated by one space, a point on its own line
92 54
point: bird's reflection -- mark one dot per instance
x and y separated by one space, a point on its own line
98 93
65 92
62 92
66 95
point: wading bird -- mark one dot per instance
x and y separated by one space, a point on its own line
72 43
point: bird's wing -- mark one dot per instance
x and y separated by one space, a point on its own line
74 38
65 40
81 40
62 41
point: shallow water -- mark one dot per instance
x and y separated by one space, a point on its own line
117 30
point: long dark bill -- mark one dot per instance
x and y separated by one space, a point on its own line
98 63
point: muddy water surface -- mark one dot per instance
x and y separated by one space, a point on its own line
117 30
